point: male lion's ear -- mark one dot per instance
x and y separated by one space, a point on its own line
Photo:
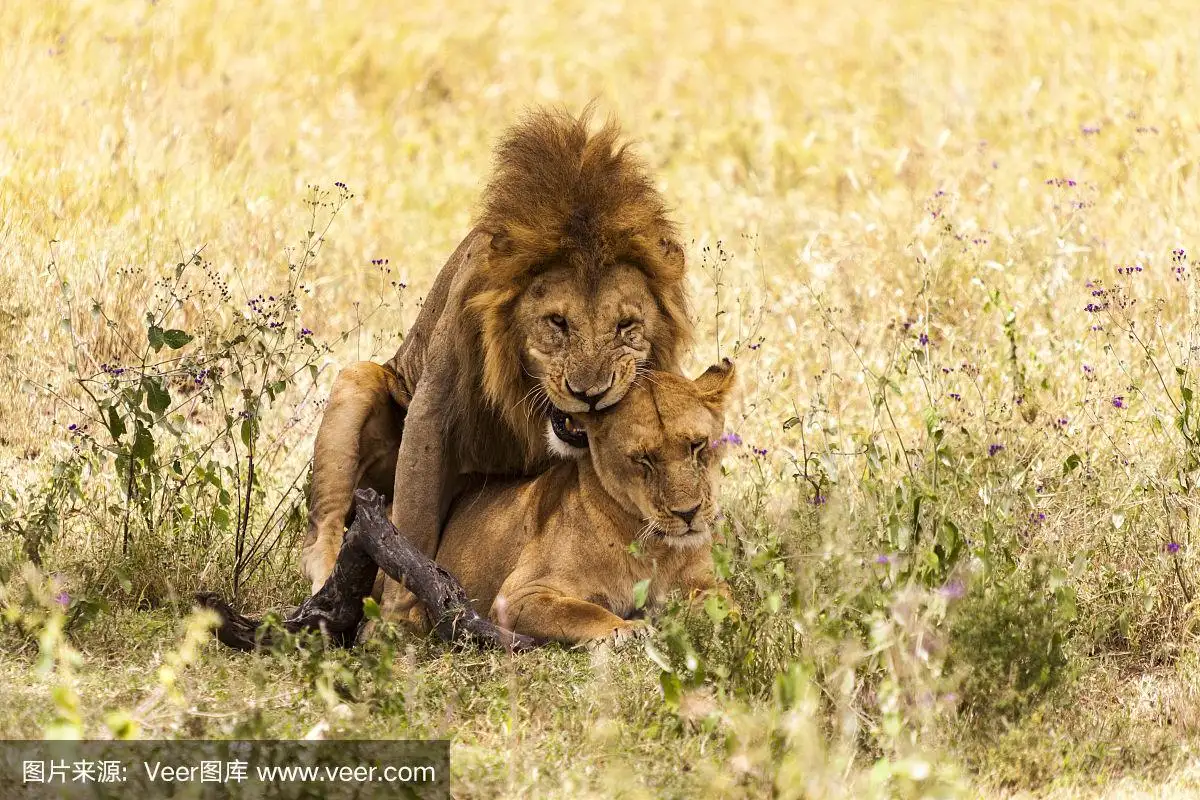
715 383
501 243
672 253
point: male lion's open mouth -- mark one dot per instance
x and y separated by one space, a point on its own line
566 429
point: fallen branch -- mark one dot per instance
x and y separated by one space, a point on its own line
336 610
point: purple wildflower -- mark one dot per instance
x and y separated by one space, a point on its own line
1173 547
1118 402
923 339
882 559
953 590
728 438
63 599
1179 257
993 449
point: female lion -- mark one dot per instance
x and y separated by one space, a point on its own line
550 557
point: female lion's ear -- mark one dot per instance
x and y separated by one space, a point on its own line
715 383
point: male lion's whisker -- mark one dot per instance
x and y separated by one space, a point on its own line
651 379
531 395
642 370
537 398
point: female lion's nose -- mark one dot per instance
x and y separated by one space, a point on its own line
688 514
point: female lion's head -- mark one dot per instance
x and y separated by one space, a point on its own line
657 454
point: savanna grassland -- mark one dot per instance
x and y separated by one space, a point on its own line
950 246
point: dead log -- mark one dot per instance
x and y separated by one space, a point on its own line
337 609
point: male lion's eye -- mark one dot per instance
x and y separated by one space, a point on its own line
558 321
627 324
644 462
699 446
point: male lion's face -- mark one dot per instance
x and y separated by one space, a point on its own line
584 340
658 452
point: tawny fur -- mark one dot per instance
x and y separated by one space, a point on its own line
458 396
550 556
559 193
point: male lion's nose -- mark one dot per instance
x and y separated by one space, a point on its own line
592 394
688 514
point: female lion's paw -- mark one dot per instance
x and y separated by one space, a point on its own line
619 635
631 629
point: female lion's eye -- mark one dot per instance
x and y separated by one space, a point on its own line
558 321
644 462
699 446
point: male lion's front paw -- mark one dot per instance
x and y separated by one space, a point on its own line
368 630
403 610
316 562
414 621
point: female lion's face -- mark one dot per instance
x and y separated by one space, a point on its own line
658 453
585 340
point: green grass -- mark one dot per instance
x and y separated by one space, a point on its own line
956 561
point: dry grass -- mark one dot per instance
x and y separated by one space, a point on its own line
873 172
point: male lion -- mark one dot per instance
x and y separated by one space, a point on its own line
570 284
549 556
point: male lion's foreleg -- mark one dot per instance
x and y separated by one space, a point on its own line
357 443
550 616
426 467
